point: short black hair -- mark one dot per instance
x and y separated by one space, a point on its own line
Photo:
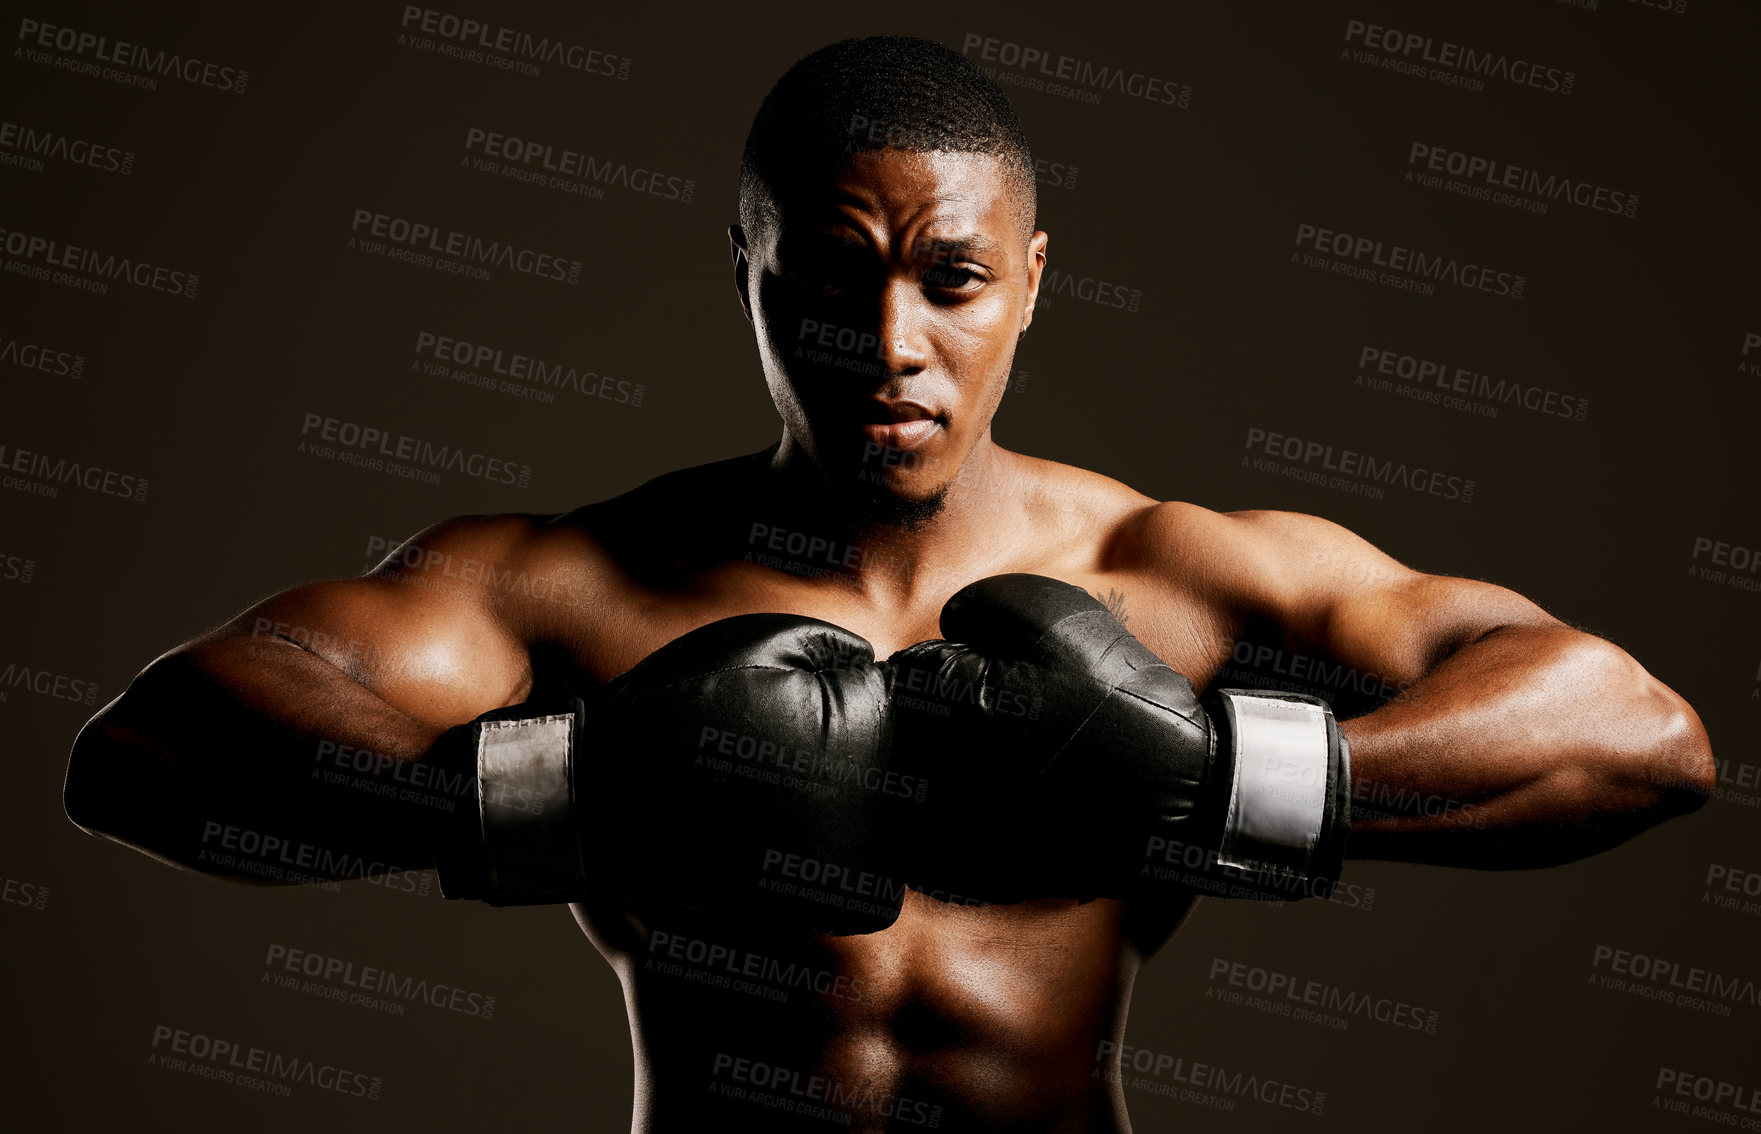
880 92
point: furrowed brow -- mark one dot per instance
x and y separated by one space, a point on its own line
971 244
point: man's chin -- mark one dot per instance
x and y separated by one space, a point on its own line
872 500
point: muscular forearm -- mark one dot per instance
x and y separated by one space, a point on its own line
1530 746
251 758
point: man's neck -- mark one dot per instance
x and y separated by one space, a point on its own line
893 558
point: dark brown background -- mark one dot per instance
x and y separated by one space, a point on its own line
1595 520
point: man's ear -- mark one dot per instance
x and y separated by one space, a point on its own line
1036 266
737 246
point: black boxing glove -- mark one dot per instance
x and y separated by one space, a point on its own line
744 768
512 837
1073 762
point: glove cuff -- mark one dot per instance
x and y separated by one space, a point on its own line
516 840
1289 769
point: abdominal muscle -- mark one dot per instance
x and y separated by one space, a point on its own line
956 1017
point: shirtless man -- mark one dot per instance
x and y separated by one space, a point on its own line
886 193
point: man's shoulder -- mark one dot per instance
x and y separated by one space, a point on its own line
1054 493
601 532
486 550
1133 523
695 488
1183 528
1256 559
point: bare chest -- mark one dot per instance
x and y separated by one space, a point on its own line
1044 980
635 621
975 1011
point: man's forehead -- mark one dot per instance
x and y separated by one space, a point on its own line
949 199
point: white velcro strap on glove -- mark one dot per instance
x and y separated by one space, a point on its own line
1281 781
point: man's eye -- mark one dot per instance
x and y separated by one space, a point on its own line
817 280
829 276
952 278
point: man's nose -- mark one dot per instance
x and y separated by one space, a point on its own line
901 349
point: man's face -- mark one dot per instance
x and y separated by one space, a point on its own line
888 297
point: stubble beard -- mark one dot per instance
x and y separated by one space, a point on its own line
869 503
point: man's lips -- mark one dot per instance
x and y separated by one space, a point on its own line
885 412
899 425
902 434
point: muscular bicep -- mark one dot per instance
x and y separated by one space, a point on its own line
427 645
1329 594
1297 602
